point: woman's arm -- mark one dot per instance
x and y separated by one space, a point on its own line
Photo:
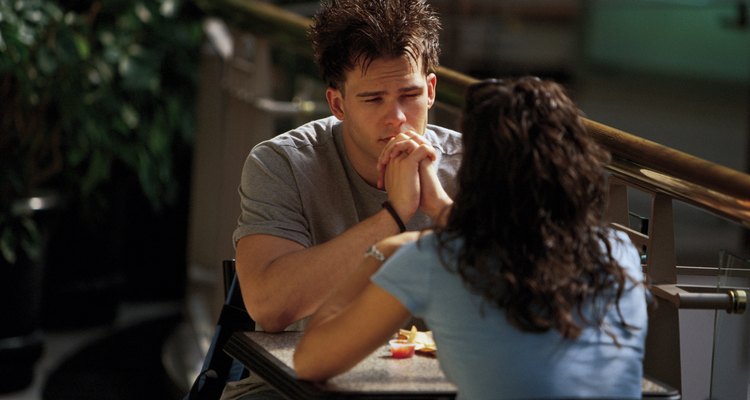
357 318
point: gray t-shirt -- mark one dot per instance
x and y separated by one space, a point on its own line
301 186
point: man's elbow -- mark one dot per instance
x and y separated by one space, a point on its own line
271 320
309 374
264 308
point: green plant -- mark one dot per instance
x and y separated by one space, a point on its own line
35 50
87 89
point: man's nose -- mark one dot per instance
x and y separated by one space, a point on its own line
396 115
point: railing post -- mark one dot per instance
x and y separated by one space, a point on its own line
617 207
228 125
661 252
662 359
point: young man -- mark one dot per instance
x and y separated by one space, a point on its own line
315 198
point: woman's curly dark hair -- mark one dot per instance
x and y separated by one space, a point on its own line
529 209
347 33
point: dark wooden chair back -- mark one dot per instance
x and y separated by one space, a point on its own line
218 367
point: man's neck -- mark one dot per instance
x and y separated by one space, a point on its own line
365 167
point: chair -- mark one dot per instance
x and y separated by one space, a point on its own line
218 367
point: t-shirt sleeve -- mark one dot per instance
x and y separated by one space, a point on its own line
406 276
626 255
269 199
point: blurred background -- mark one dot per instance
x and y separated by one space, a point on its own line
124 125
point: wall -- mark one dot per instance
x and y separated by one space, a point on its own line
696 39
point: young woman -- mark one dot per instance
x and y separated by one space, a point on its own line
527 292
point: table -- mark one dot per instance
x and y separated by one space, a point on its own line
377 377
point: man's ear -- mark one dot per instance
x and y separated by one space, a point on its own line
335 102
431 92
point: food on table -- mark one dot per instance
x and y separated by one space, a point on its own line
425 344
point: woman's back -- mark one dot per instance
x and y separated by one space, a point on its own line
487 357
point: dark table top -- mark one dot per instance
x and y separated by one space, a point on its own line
377 377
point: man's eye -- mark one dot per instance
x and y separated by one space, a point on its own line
372 100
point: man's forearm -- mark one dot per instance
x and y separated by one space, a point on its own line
292 285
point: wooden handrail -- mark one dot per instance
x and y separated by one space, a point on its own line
715 188
671 162
263 19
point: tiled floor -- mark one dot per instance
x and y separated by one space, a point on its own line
61 345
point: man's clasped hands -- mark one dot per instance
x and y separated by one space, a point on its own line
406 172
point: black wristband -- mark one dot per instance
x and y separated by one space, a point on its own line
387 205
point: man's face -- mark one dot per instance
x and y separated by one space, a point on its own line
376 105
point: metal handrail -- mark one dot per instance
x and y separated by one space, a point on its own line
712 187
732 300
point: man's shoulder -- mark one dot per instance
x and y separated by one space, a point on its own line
312 134
447 141
307 146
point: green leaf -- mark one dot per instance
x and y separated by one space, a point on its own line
52 10
130 116
82 45
167 8
46 60
141 72
143 13
118 89
7 247
98 170
31 240
26 35
35 16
